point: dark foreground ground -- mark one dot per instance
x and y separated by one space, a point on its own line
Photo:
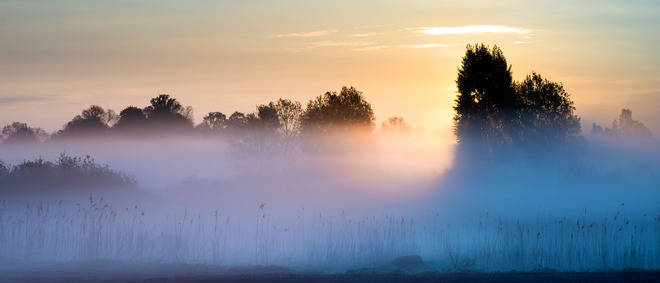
430 277
536 277
103 272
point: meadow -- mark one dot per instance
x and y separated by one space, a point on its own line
96 230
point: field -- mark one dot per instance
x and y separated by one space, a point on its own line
593 217
336 243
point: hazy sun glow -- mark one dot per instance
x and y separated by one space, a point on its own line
231 56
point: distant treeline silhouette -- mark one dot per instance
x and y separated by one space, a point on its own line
492 112
273 127
625 127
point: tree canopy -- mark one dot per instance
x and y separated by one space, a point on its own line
495 112
485 100
289 113
167 112
92 121
332 111
214 121
545 111
21 133
131 119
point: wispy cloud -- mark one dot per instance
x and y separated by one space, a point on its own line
340 43
521 42
471 29
371 48
306 34
23 99
354 45
430 45
366 34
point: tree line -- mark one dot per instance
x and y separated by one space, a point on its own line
276 124
492 112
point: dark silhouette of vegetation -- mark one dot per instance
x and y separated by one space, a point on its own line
338 122
93 121
496 114
166 114
66 173
289 113
330 112
545 112
18 133
214 122
493 114
266 118
236 123
258 133
625 127
271 130
486 98
132 120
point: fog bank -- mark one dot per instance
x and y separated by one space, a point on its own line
202 201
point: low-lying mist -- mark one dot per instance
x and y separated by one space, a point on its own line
359 203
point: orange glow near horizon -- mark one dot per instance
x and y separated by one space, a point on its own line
59 59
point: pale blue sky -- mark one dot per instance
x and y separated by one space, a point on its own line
59 57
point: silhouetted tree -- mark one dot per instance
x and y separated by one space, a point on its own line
336 112
131 120
166 114
632 128
334 123
236 123
596 130
497 115
258 133
267 118
545 112
21 133
92 121
213 122
486 98
163 106
289 113
395 126
625 127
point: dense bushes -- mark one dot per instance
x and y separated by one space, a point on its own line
67 172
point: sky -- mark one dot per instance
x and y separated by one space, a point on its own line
59 57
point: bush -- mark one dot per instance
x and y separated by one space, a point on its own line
66 173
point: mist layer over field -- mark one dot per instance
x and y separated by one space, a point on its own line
206 201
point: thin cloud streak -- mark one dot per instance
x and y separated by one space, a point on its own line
371 48
330 43
430 45
366 34
306 34
23 99
471 29
355 45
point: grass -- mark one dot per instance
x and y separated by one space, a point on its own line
98 231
